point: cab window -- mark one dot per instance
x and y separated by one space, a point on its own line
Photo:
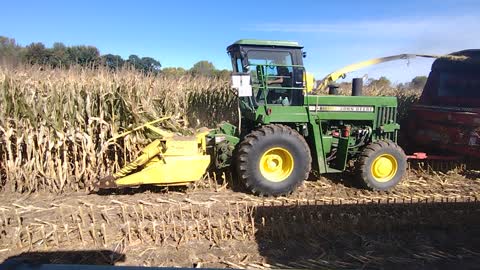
277 65
272 70
238 64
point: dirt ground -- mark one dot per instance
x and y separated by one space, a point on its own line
431 220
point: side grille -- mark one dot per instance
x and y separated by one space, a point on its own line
386 115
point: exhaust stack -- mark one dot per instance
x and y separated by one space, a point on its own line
357 86
333 89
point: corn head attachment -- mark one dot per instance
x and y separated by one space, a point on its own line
170 160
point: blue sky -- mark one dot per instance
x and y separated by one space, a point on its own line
180 33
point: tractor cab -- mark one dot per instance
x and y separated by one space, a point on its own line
274 69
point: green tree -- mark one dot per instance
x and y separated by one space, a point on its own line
145 64
59 56
150 65
83 55
174 71
418 82
222 74
36 53
63 56
381 83
134 60
10 51
403 86
113 62
203 68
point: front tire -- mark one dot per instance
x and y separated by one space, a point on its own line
273 160
382 165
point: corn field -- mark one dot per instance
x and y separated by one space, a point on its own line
54 123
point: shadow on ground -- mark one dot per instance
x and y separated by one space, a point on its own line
82 257
389 236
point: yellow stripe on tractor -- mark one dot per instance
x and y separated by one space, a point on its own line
171 160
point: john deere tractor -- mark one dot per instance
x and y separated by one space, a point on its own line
283 133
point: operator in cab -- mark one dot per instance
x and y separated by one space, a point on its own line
282 79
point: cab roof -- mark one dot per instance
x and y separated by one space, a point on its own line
269 43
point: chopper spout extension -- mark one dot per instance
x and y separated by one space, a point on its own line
341 73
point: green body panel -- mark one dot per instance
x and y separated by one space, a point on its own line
319 111
341 161
316 146
293 114
350 100
282 114
327 143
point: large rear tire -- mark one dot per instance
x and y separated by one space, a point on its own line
273 160
382 165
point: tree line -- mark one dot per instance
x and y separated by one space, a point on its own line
62 56
417 83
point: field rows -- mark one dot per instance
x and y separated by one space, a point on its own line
224 227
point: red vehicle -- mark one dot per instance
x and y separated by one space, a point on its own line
446 120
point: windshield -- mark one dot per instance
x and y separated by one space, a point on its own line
269 58
273 62
271 71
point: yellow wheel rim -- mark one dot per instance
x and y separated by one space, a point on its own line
276 164
384 168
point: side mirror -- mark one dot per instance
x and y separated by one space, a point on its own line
304 54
